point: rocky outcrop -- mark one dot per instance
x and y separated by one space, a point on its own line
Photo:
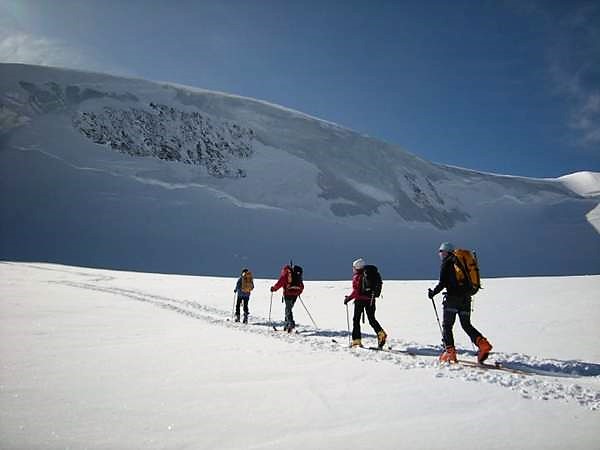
164 132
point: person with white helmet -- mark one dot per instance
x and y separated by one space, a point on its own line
457 300
363 302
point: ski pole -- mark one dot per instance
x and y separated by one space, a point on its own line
270 305
348 322
315 325
438 321
233 307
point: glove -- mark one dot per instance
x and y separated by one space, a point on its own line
430 293
272 288
346 300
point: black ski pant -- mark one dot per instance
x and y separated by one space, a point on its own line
289 300
462 307
238 304
369 308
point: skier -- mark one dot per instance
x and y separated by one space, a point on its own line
363 303
456 301
243 287
290 279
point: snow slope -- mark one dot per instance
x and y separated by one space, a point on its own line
126 173
107 359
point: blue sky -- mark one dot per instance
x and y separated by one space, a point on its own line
505 86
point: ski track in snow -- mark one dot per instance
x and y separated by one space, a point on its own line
543 380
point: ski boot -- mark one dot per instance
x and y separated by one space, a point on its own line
449 355
484 349
245 319
356 343
381 338
237 318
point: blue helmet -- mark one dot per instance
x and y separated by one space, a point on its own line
446 247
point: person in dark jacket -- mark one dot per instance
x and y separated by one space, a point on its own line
243 287
457 300
291 291
362 303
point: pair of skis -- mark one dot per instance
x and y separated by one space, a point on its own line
463 362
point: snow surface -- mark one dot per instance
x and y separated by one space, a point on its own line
105 359
130 174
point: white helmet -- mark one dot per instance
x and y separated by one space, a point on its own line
359 264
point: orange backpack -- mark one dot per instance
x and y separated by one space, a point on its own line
467 270
247 282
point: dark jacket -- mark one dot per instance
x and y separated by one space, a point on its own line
448 279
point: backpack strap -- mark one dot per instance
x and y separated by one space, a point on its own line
462 268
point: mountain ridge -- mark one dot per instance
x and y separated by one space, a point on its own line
314 176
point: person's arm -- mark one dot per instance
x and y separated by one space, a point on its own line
356 281
443 283
280 283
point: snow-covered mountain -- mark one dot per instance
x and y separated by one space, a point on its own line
124 173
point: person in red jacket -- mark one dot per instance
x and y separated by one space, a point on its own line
290 279
362 303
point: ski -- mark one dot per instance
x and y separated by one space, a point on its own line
387 349
338 342
390 349
492 366
294 330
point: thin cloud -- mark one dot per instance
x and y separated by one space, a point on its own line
574 60
20 46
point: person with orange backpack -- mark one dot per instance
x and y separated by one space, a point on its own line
460 277
243 288
290 279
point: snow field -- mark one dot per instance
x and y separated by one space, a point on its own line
106 359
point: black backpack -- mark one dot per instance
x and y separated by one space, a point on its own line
296 276
371 282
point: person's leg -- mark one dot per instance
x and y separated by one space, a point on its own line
237 308
289 315
465 323
246 311
370 310
381 335
447 325
356 333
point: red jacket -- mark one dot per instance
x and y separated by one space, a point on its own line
284 282
356 285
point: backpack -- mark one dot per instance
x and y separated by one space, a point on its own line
247 282
295 276
371 282
466 268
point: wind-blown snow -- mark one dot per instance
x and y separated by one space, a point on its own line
107 359
586 184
